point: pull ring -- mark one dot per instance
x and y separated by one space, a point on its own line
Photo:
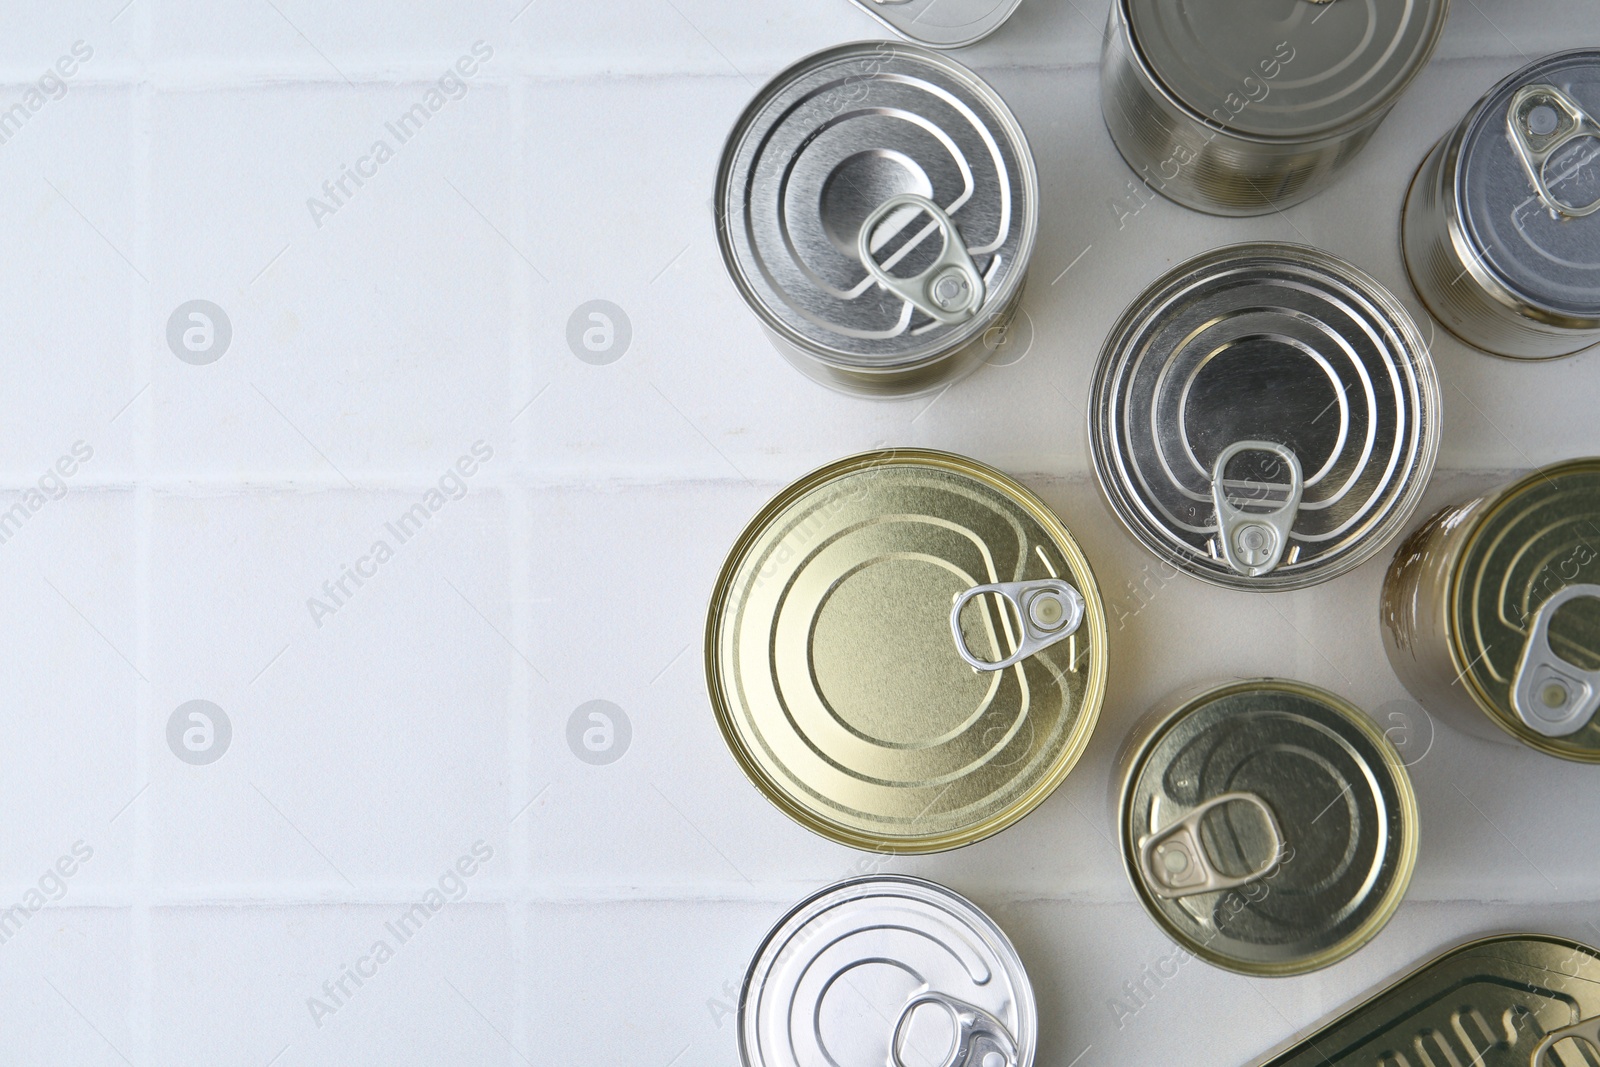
1253 542
979 1037
1174 861
1587 1032
1540 120
1551 695
951 291
1049 608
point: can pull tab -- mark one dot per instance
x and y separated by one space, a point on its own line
1586 1032
1049 608
981 1040
1550 694
1174 860
1253 542
1540 120
951 291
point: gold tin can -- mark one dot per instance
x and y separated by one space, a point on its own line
1267 825
1491 612
1517 1000
906 651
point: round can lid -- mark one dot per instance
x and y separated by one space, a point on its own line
1264 416
889 971
844 641
1288 69
1543 121
907 145
1525 609
941 23
1269 827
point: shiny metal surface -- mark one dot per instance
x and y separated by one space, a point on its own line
1289 824
886 971
1278 349
836 678
1520 1000
1462 597
941 23
826 145
1241 109
1506 265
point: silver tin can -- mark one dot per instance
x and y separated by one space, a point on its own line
1242 109
941 23
1501 229
890 971
1264 416
877 206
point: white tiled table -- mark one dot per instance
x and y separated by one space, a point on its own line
428 710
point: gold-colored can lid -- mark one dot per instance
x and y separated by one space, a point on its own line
906 651
1268 826
1524 610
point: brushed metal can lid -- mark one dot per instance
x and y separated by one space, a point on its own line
941 23
1524 609
1518 1000
1527 187
890 970
1268 827
805 224
1285 69
1264 416
862 651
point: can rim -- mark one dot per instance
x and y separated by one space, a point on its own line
1025 991
911 38
994 308
1407 811
1372 114
1094 685
1427 415
1502 499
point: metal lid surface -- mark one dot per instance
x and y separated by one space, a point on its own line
1524 607
1522 1000
1264 416
815 160
889 971
1268 827
842 638
1286 69
1527 185
941 23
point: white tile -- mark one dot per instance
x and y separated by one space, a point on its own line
67 984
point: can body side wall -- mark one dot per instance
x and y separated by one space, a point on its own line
1199 165
1458 293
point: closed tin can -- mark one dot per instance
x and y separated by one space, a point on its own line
890 971
877 205
906 651
1501 228
941 23
1264 417
1267 826
1245 108
1491 612
1518 1000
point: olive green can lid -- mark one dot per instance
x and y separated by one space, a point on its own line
1517 1000
906 651
1268 827
1524 610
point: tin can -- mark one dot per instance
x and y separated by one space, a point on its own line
1245 108
893 971
1491 612
906 651
1501 228
1518 1000
1264 417
877 205
1266 825
941 23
